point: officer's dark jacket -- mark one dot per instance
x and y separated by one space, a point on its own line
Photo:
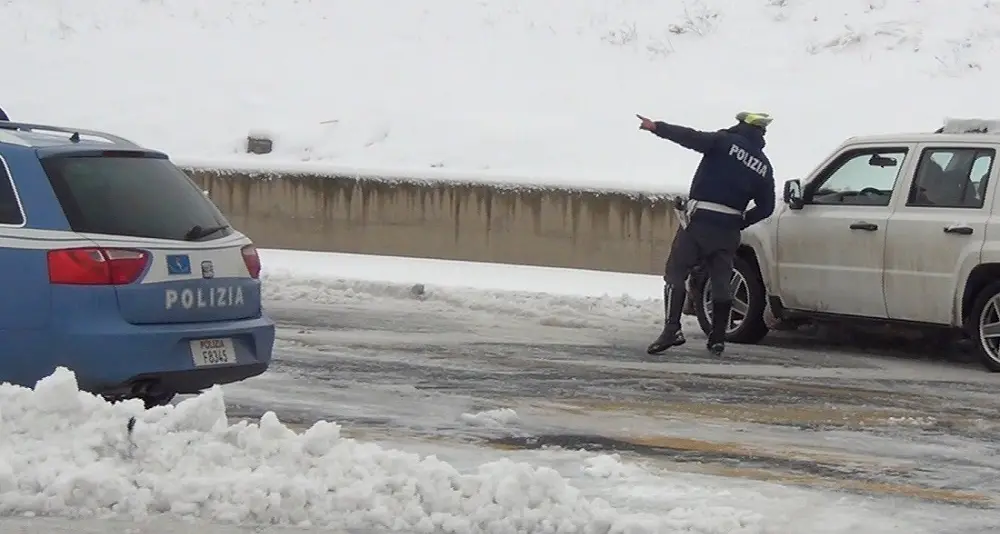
733 171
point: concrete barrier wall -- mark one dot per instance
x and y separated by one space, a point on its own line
529 225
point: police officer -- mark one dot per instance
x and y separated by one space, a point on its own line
733 171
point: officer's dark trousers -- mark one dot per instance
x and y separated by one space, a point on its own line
703 244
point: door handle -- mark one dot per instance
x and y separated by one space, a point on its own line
958 229
866 226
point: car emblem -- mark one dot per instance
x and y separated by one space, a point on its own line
207 269
178 264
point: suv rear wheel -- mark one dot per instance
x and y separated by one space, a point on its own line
984 326
746 321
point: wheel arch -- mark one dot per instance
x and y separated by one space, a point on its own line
755 250
981 276
747 253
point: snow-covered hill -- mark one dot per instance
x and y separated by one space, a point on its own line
543 87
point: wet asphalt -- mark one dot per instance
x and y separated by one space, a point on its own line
882 418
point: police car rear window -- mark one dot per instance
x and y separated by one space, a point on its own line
132 195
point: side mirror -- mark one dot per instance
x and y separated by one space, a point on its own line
793 194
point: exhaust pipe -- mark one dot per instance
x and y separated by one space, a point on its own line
145 388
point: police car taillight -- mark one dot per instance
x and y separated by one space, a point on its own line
252 259
96 266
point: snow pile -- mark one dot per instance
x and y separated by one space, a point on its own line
568 298
544 308
451 273
491 418
69 453
611 467
546 87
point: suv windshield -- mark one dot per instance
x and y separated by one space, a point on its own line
132 194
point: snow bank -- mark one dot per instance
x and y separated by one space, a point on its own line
568 298
450 273
69 453
543 308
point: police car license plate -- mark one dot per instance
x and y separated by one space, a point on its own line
212 351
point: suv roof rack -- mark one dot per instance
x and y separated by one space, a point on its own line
75 133
969 126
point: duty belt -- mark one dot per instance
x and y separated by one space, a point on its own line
695 205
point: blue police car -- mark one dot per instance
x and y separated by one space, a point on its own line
117 266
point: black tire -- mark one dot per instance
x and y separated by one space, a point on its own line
981 345
752 329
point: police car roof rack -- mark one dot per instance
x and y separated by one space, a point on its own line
970 126
75 133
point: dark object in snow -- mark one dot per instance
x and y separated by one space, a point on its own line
259 144
131 425
418 291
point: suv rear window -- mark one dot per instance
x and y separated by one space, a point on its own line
132 194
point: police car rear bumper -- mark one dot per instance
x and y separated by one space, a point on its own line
183 382
114 357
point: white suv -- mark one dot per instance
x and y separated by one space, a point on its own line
901 228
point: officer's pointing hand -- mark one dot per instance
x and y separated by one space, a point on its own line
646 123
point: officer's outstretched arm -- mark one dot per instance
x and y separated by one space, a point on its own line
763 200
687 137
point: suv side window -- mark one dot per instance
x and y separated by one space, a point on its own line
863 177
951 178
10 208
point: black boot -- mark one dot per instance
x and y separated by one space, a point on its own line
671 336
720 323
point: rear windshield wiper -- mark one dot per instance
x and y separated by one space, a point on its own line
197 232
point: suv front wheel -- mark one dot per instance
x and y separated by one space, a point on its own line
746 321
984 326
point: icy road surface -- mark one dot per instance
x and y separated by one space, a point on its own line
523 371
541 411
